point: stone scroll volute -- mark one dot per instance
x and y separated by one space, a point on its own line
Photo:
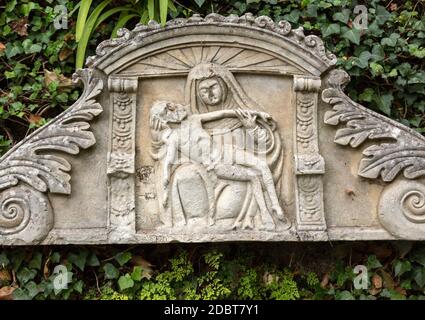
213 129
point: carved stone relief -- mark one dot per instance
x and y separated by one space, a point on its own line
215 129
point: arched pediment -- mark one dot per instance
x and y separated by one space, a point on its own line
213 129
307 54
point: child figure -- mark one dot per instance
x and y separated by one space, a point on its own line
190 138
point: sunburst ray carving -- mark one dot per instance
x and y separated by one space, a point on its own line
181 60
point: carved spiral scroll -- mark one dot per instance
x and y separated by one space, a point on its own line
413 206
24 209
402 209
14 214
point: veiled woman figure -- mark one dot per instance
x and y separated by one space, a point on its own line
211 87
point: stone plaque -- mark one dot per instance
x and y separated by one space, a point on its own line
213 129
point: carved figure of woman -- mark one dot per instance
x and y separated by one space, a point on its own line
211 87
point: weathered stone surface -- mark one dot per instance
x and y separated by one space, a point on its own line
213 129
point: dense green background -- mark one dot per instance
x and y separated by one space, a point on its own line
387 64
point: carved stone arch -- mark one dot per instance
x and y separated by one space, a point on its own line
329 191
305 53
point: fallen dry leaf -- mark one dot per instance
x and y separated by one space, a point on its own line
64 54
2 47
50 77
69 36
269 278
5 275
20 26
147 270
374 291
377 281
6 293
325 281
387 280
46 271
34 118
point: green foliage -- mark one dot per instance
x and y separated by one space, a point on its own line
86 24
217 272
34 72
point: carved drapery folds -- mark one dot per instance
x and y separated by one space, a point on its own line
309 164
121 167
33 167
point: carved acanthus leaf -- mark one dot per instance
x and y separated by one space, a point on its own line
389 159
406 154
30 162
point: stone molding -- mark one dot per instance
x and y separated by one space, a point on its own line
392 155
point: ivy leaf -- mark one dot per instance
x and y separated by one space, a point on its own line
311 10
392 294
353 35
401 267
123 257
419 256
393 73
376 69
93 261
373 262
78 286
416 51
342 16
333 28
32 289
344 295
199 2
382 15
378 53
111 272
35 48
78 259
13 49
419 276
25 274
391 41
363 60
4 261
10 6
17 258
418 77
137 273
384 102
293 16
20 294
125 282
26 8
367 95
35 263
55 257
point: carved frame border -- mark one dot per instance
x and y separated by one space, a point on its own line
30 171
309 164
121 158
